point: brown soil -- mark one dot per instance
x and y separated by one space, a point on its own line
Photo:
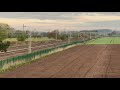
90 61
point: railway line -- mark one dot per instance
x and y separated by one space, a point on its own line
20 50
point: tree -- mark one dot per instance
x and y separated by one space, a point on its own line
21 36
3 35
53 34
36 34
5 29
64 37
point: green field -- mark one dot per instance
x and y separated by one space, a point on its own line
33 39
105 40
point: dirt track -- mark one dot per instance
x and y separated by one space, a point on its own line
90 61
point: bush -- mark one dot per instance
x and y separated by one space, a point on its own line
4 46
63 37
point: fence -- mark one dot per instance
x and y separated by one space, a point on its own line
4 64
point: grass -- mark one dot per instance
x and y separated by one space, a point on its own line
11 68
105 40
40 39
11 39
33 39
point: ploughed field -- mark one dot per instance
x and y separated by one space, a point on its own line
83 61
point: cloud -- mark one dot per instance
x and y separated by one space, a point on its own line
97 18
52 20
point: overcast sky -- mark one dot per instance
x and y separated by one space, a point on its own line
61 20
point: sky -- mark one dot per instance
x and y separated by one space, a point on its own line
48 21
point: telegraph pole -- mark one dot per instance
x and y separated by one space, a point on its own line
90 34
104 34
56 34
30 42
95 34
69 37
78 34
84 37
23 27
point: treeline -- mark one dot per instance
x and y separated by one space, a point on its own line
21 35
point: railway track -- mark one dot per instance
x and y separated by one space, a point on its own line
21 51
14 47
